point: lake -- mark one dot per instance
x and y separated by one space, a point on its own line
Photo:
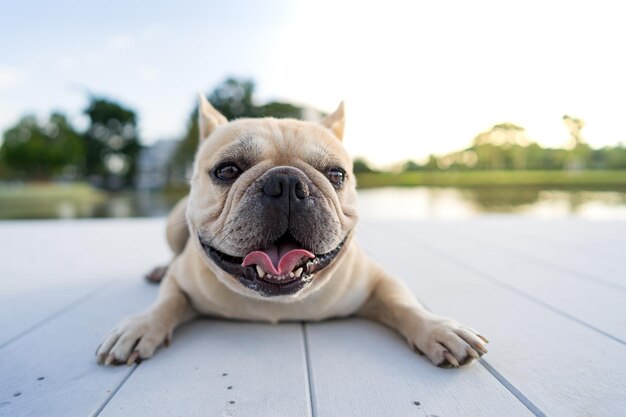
375 204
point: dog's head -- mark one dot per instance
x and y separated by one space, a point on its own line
272 202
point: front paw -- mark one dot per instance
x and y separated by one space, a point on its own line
133 339
448 343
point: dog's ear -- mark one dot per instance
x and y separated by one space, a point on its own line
208 117
335 121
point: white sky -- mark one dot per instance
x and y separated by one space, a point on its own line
417 77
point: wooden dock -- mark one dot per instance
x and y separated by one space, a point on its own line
550 295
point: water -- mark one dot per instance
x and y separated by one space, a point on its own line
375 204
458 203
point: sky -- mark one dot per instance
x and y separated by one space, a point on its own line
417 77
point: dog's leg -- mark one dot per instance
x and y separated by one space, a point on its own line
157 274
177 234
444 341
137 337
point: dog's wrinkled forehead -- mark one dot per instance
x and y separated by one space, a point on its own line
281 141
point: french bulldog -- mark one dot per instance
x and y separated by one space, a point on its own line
267 234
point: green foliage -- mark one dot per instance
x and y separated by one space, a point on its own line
39 151
360 165
279 110
409 166
506 146
106 153
234 98
181 161
613 180
112 143
574 126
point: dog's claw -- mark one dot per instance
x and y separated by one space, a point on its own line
132 358
451 359
481 348
473 353
109 360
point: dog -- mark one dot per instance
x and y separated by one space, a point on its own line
267 234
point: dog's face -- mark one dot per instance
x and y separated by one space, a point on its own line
272 202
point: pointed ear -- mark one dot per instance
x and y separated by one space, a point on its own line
335 121
208 117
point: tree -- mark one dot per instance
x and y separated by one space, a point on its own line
279 110
411 166
39 151
360 165
503 146
574 126
581 153
182 159
234 98
112 143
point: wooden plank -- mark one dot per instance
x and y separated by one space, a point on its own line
52 265
21 312
598 306
218 368
597 238
607 271
360 368
52 370
557 365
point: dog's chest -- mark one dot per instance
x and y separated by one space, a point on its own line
326 303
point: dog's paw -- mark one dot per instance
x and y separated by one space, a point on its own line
449 344
157 274
135 338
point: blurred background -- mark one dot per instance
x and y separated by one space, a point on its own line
454 109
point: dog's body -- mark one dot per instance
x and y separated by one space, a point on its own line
266 234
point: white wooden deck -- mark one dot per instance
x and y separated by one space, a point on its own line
551 296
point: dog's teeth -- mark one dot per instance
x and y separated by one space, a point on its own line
291 274
260 271
297 273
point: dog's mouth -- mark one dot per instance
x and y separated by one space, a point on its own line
282 268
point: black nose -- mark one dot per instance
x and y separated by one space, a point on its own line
284 186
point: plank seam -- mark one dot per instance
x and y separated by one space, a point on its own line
511 388
309 372
490 278
54 315
611 257
114 392
545 262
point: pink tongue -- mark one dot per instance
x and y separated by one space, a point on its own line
277 260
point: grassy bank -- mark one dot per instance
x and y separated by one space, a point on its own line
46 200
36 190
558 179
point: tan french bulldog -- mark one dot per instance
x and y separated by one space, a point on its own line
267 233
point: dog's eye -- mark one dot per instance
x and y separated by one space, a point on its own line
336 176
227 171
